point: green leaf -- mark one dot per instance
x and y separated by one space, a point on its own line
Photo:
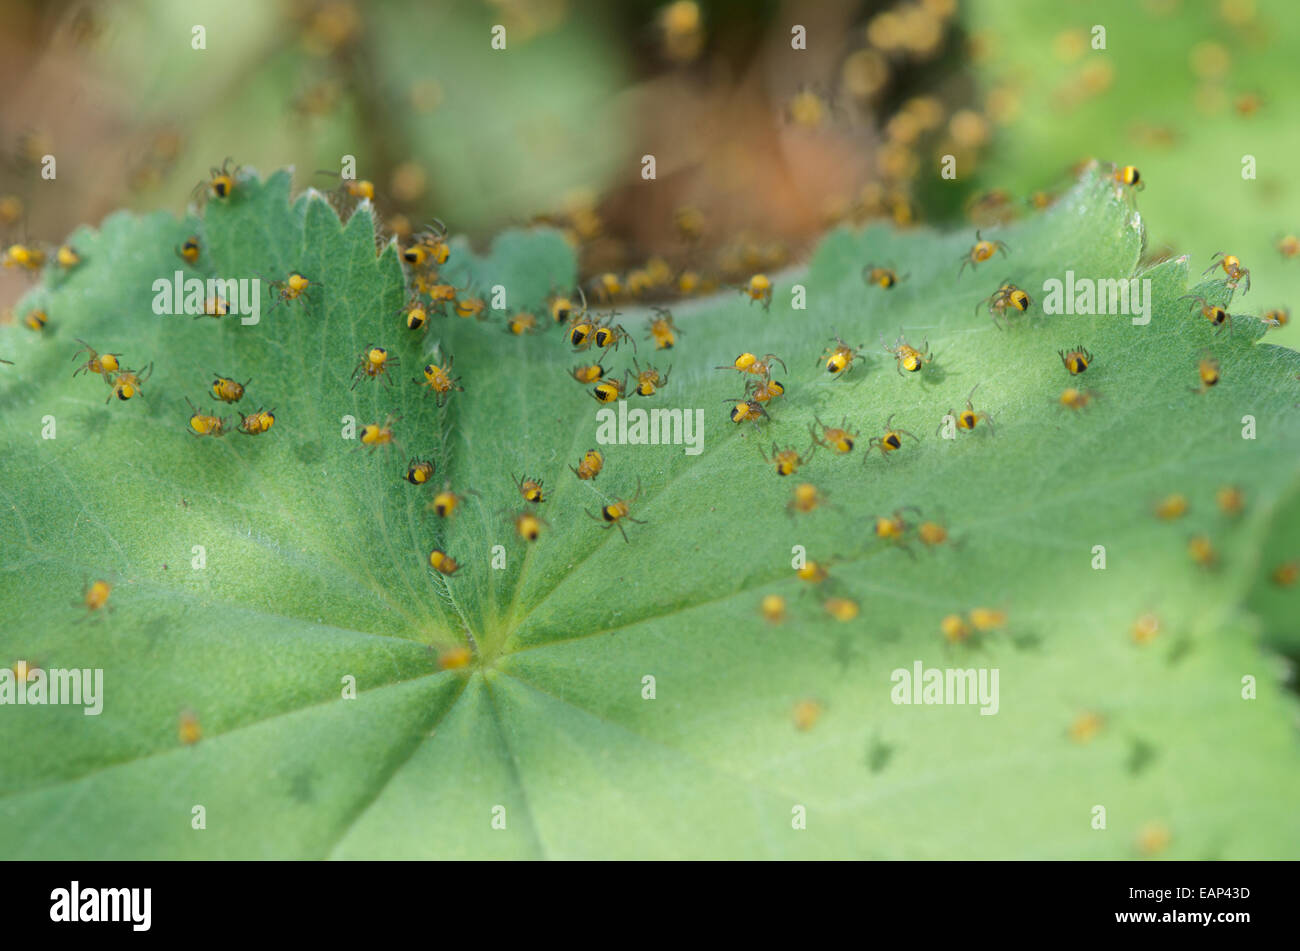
1174 75
316 567
1274 592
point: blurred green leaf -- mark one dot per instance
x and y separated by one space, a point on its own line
524 130
1169 94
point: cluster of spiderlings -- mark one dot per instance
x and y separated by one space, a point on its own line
904 525
957 629
895 530
653 280
585 331
1007 299
28 257
428 250
1230 501
590 466
880 71
446 502
661 277
616 268
123 382
222 185
898 531
31 258
880 68
229 391
760 388
527 523
424 253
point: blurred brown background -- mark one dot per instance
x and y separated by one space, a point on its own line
758 145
